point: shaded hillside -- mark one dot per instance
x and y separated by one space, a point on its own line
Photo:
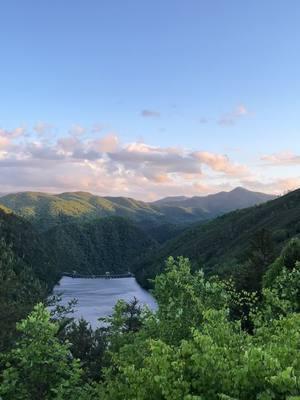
218 203
110 244
47 210
225 239
28 246
164 231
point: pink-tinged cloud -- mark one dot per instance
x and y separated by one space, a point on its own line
275 186
241 110
7 136
68 144
283 158
106 166
14 133
162 178
106 144
4 142
220 163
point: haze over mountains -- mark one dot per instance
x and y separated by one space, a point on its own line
47 210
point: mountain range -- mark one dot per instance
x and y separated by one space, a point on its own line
47 210
92 234
224 241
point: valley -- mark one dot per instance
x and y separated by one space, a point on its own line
93 235
236 261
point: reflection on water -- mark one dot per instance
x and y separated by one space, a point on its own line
97 297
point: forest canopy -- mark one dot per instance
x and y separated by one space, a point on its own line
207 340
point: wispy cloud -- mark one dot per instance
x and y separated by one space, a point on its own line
77 129
42 128
282 158
7 136
150 114
96 128
276 186
231 118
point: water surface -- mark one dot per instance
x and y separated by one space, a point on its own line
97 297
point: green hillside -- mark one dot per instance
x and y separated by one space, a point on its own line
28 246
48 210
27 273
110 244
225 240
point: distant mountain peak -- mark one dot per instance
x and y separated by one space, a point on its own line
46 210
239 189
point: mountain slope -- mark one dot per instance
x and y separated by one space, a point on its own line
28 246
218 203
47 210
225 239
111 244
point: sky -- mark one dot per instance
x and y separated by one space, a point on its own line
148 99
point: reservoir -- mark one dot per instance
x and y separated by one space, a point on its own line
97 297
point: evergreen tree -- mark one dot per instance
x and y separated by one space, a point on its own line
40 367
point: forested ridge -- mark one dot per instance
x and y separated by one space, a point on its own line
27 272
29 246
223 243
111 244
46 210
227 324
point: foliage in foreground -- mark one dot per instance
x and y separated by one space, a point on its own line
212 357
194 347
40 367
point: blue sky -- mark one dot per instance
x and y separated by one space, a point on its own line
214 81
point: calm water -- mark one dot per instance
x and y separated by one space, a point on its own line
97 297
